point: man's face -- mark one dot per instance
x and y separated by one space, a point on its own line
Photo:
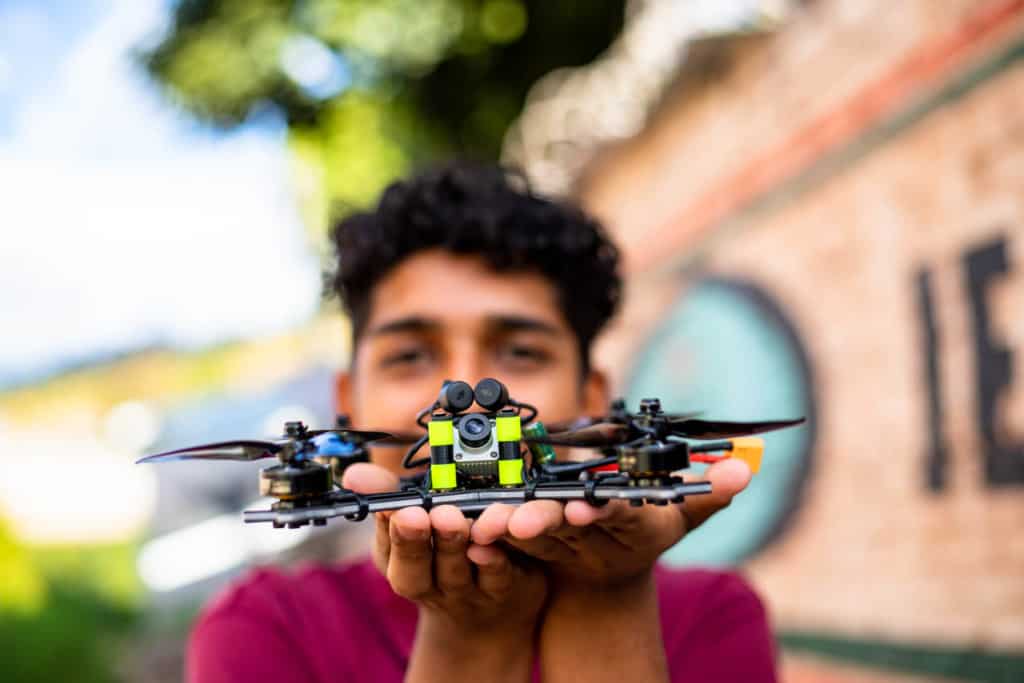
439 316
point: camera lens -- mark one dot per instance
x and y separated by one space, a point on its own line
474 430
455 396
491 394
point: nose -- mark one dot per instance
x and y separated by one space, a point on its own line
467 363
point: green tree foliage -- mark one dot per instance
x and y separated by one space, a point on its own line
64 612
371 87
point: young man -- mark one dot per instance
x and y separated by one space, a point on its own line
463 273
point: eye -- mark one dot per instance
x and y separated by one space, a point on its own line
405 357
523 354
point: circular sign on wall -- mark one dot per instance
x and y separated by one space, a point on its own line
725 348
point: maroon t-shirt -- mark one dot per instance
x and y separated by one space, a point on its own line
344 623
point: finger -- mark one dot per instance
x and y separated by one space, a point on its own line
382 541
535 518
367 478
452 572
581 513
410 564
364 477
616 515
494 570
535 529
591 547
562 543
727 478
492 524
631 527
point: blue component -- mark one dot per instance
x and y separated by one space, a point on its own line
332 444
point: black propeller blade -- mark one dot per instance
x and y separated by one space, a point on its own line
588 420
721 429
604 434
595 436
222 450
574 424
248 449
675 417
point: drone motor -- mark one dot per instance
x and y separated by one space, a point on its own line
653 462
296 480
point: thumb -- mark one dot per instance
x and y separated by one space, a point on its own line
727 478
363 477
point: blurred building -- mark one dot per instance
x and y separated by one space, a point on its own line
823 213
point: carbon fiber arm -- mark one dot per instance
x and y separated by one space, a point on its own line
356 506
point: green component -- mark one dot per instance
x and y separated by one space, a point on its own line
509 427
440 432
541 452
442 477
510 472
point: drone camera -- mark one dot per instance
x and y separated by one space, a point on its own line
458 396
491 395
455 397
474 446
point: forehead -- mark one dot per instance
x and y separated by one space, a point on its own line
457 290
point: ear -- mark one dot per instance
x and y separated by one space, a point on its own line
343 393
596 396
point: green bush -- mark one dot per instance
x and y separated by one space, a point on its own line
64 613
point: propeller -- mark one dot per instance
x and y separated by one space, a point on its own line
222 450
578 423
249 449
720 429
575 423
606 434
595 436
401 439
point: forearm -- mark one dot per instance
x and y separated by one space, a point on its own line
608 635
443 654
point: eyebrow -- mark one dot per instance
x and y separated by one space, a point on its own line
496 323
412 323
516 323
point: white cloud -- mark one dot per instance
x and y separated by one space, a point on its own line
121 224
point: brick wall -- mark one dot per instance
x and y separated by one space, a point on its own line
832 163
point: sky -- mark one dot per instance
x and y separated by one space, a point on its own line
124 223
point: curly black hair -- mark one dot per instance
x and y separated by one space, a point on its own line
491 212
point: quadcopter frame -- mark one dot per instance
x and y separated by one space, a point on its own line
478 459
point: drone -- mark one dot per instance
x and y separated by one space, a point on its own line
498 454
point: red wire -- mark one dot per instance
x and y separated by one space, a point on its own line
704 457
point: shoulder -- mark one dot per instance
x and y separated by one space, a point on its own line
271 593
274 595
718 618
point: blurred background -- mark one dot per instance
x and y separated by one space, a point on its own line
820 203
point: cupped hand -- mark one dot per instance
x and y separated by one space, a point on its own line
461 587
603 547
